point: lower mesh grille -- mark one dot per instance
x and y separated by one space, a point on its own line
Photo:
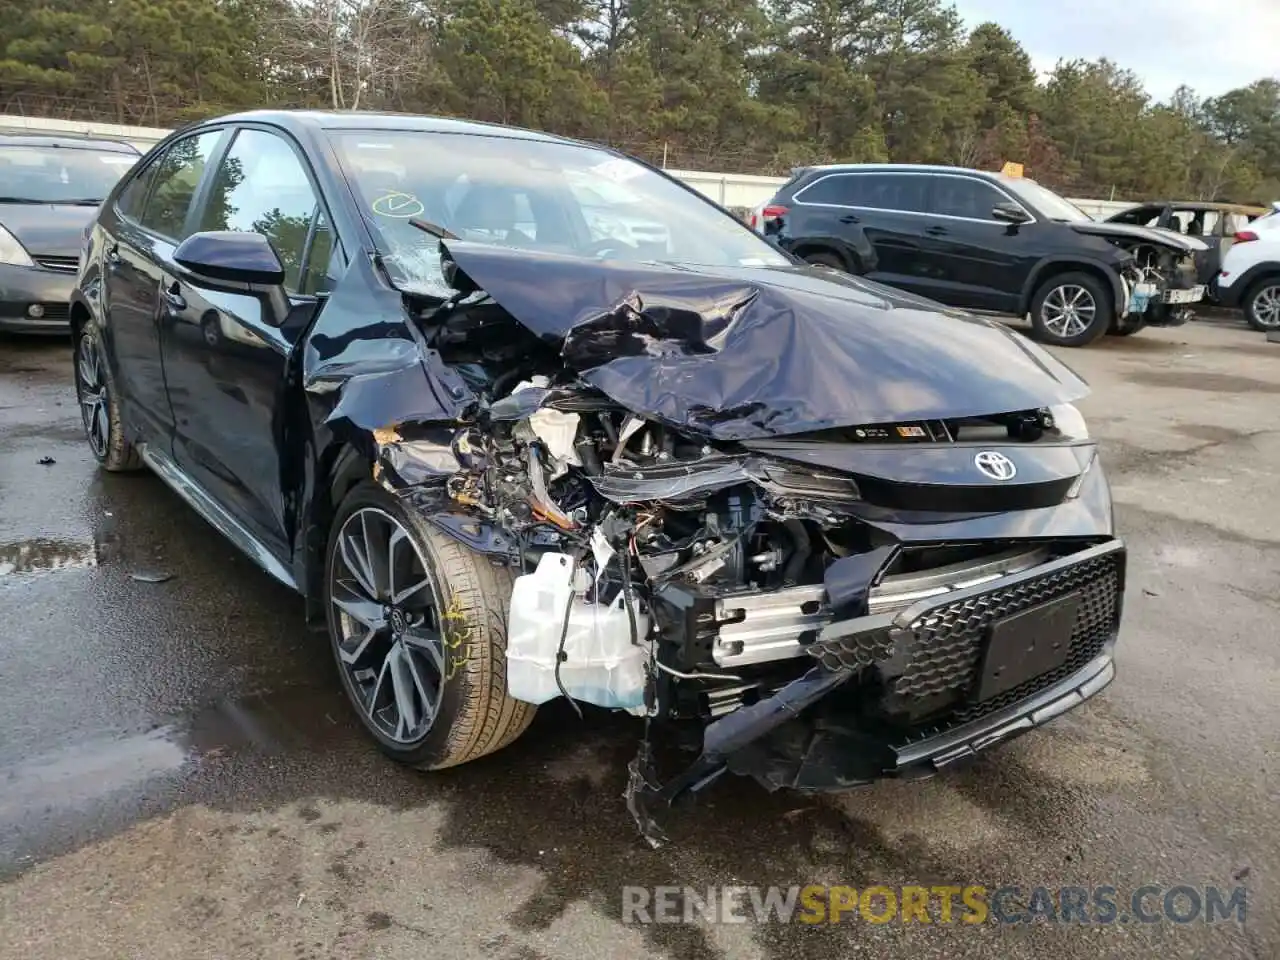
944 647
933 663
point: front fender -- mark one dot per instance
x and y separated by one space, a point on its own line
1049 264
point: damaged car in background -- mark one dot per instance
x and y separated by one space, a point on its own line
988 241
840 532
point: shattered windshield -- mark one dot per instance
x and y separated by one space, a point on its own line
529 194
1045 202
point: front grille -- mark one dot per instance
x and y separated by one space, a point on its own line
941 650
61 264
944 646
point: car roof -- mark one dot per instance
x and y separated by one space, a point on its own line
69 142
1244 208
298 120
899 168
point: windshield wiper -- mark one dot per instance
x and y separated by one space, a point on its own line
437 231
69 202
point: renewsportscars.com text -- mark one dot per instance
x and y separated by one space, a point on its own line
936 904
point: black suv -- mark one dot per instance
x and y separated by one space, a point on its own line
986 241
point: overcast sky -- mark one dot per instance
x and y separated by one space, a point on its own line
1211 46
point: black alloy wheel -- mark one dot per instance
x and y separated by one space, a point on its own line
389 641
99 409
417 622
92 392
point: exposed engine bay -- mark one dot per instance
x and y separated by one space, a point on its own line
1160 283
779 572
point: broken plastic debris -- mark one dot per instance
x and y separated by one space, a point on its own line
602 551
538 382
46 461
643 787
557 430
150 576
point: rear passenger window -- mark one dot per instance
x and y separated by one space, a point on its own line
176 177
878 191
964 197
840 189
906 193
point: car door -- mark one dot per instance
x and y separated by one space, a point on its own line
142 229
226 355
882 207
974 260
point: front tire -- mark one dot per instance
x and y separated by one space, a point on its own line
1262 305
1072 310
99 407
417 623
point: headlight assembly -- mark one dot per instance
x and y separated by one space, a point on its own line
1068 421
12 252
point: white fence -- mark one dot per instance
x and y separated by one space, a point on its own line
727 189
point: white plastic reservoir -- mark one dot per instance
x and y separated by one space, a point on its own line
601 664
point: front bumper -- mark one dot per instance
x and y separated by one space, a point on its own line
836 759
907 693
21 287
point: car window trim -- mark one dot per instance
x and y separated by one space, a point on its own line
195 194
201 194
796 197
134 176
307 171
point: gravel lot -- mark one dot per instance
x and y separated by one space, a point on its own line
179 776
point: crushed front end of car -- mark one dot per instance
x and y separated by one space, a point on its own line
846 532
1163 274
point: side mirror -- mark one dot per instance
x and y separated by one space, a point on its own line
1010 213
234 262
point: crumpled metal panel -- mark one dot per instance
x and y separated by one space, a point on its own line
749 352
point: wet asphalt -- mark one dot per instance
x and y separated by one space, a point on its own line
180 776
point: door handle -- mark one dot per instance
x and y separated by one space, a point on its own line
849 218
173 299
113 257
937 231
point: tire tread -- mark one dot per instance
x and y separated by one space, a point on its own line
491 719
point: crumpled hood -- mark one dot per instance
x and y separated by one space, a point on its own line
741 353
1166 238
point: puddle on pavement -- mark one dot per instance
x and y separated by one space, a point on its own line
1210 433
88 771
1202 381
29 556
277 722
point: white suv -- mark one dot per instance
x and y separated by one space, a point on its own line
1250 276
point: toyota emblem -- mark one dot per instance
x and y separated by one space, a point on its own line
995 465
